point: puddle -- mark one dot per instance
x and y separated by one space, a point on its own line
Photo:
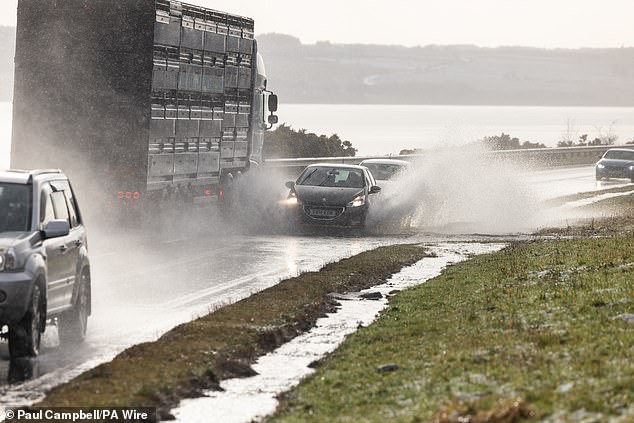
247 399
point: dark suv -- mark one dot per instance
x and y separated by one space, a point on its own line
44 268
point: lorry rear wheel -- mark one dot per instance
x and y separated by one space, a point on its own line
24 338
72 324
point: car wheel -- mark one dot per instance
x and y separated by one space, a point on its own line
72 324
24 338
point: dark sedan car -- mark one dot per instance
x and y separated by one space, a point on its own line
616 163
332 194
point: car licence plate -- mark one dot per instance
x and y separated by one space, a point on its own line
322 213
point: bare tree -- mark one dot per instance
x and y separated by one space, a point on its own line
569 134
608 136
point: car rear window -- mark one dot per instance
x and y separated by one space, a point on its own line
15 207
619 155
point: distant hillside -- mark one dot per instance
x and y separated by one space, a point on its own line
7 51
335 73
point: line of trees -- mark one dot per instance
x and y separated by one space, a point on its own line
608 139
286 142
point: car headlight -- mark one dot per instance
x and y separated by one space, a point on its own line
600 165
358 201
292 200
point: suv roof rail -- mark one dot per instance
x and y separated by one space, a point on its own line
38 172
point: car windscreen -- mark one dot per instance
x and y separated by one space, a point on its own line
619 155
15 207
332 177
384 172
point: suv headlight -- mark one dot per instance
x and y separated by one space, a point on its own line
9 260
600 165
358 201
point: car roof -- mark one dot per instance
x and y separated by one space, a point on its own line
621 149
18 176
337 165
386 161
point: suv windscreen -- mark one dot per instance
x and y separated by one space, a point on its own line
15 207
332 177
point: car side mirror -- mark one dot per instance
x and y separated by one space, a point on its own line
56 228
290 185
375 189
273 103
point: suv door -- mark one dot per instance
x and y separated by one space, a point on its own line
74 240
55 251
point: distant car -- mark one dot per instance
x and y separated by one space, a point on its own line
332 194
44 266
616 163
385 169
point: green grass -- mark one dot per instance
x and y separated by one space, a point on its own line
498 338
196 355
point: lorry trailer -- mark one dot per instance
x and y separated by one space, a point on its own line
138 101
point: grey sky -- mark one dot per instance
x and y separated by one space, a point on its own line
537 23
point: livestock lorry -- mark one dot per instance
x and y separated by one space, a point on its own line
140 101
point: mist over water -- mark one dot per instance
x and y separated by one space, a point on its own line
387 129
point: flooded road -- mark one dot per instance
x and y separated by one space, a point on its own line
142 287
553 183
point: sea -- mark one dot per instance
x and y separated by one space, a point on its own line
388 129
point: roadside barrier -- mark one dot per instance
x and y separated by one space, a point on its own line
537 158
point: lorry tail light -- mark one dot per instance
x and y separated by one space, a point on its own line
128 195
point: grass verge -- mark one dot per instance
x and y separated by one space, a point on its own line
196 355
532 333
560 201
609 217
